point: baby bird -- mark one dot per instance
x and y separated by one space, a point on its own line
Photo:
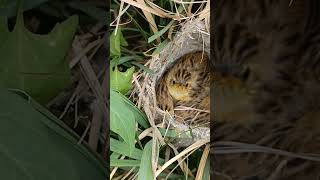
184 89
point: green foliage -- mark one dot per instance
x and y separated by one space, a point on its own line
36 63
116 42
121 148
161 32
139 116
124 115
121 81
35 145
124 163
145 170
122 120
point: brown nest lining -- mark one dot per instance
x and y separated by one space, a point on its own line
192 37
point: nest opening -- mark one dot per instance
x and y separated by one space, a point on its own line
186 83
192 38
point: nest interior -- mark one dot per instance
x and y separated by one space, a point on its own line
192 37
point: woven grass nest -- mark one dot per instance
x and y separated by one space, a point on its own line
193 37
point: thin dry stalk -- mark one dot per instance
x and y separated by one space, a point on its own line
202 163
181 163
183 153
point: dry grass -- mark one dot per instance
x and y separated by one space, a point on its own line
91 79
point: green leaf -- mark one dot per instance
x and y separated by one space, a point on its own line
161 32
32 145
122 120
36 63
124 163
116 41
123 41
121 81
115 48
117 61
139 116
122 148
145 171
114 155
114 62
165 29
146 69
129 58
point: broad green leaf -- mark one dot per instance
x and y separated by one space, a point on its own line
145 171
122 148
121 81
122 120
61 128
140 117
32 146
36 63
114 155
116 41
115 47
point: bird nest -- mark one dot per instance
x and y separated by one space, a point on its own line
193 37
